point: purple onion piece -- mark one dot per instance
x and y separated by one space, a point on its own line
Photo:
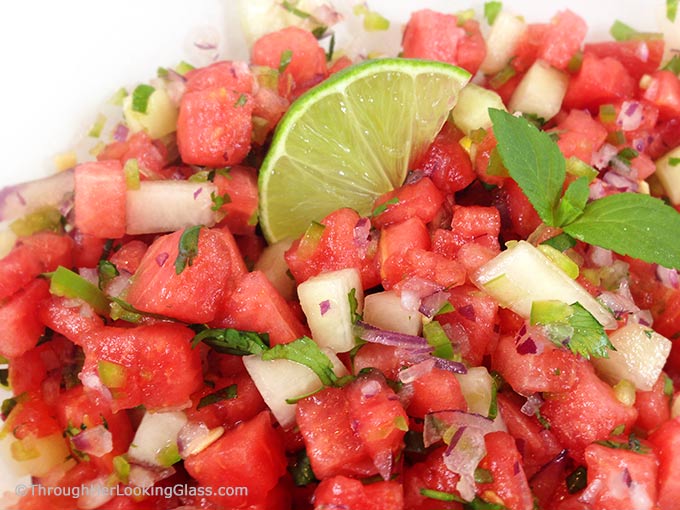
375 335
669 277
627 479
410 374
533 404
324 306
95 441
468 311
437 423
370 388
430 305
450 366
162 258
362 233
197 193
121 132
528 346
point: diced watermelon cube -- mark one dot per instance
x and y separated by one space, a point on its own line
100 197
21 327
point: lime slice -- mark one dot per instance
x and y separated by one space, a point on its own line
351 139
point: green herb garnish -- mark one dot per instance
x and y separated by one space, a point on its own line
226 393
631 224
301 470
286 57
218 200
673 65
306 352
355 316
242 99
383 207
671 10
233 341
577 480
622 32
188 248
107 272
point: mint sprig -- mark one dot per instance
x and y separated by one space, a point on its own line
631 224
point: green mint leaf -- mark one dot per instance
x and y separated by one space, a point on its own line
673 65
492 10
671 10
573 202
353 306
533 160
561 242
286 57
306 352
226 393
233 341
188 248
437 338
383 207
571 326
631 224
140 97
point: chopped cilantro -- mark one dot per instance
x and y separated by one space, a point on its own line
633 444
577 480
618 430
301 470
226 393
291 8
233 341
306 352
242 99
140 97
188 248
286 57
218 200
4 377
668 388
475 504
492 10
674 161
107 272
627 155
383 207
353 306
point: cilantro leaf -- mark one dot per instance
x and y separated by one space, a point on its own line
383 207
306 352
631 224
225 393
533 160
476 504
233 341
286 57
633 444
589 338
107 272
573 202
188 248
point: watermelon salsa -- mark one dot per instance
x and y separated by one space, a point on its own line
456 348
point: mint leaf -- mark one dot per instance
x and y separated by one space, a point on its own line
631 224
226 393
306 352
533 160
233 341
188 248
573 202
561 242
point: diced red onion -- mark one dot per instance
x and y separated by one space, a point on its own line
175 90
597 190
639 144
188 434
162 258
601 257
527 346
414 289
627 479
669 277
90 274
602 157
642 317
383 462
96 493
619 302
375 335
430 305
415 176
362 233
197 192
437 423
642 51
327 15
620 182
369 388
324 306
468 311
121 132
410 374
462 457
630 116
141 476
119 284
450 366
91 380
95 441
20 199
533 404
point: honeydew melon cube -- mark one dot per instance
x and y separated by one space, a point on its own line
383 310
325 301
540 92
639 357
502 42
669 174
521 275
273 264
472 108
160 118
156 435
279 380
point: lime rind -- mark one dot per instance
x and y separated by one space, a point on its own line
351 139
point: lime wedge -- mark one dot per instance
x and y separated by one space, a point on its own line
351 139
